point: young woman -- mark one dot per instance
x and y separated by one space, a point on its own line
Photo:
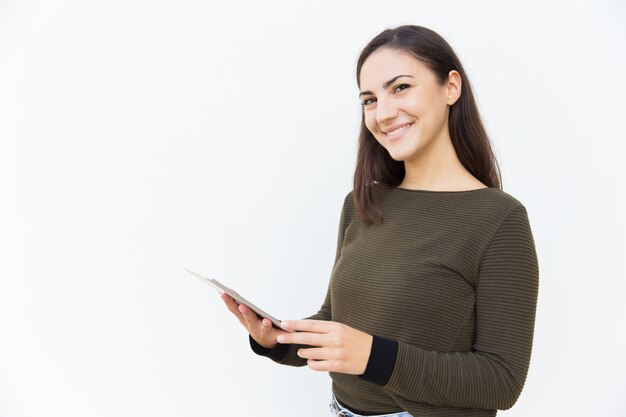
431 304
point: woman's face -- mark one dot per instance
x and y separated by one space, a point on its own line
403 106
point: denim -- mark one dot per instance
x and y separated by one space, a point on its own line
337 410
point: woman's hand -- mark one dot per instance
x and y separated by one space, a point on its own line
261 331
339 348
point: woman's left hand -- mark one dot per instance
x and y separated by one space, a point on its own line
338 347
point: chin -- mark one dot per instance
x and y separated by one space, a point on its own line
400 156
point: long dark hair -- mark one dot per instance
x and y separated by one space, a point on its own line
469 137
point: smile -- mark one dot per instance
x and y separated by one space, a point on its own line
398 130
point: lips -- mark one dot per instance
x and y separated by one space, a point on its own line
396 129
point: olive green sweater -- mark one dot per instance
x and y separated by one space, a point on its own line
447 285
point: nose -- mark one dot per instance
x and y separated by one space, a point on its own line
385 111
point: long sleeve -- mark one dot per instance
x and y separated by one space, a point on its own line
493 374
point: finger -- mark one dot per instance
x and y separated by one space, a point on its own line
248 315
265 332
315 326
315 353
233 307
304 338
228 300
266 328
322 366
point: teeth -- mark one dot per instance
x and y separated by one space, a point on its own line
398 130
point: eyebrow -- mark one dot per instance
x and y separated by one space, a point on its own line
385 85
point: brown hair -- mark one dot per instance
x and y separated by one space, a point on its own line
469 137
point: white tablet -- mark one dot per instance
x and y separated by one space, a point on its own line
221 288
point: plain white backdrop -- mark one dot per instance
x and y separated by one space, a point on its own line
140 137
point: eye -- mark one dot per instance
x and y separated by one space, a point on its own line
401 85
367 101
398 88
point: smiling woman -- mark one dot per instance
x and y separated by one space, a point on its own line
415 108
412 79
430 308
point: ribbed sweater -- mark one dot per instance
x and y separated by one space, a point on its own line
447 285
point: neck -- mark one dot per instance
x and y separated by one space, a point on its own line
437 168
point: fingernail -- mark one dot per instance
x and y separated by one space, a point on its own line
284 324
280 338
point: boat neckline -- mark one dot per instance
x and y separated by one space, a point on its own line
440 192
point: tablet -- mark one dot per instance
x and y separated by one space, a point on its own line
221 288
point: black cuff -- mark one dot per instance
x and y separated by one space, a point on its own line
276 354
382 361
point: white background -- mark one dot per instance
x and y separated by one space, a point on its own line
140 137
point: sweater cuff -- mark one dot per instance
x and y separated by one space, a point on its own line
381 362
276 354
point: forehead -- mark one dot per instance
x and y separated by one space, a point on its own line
386 63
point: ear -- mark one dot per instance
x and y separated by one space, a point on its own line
453 87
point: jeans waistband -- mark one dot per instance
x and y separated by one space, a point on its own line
345 412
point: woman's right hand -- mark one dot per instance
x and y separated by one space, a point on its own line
261 330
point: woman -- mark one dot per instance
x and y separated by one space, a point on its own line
431 304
